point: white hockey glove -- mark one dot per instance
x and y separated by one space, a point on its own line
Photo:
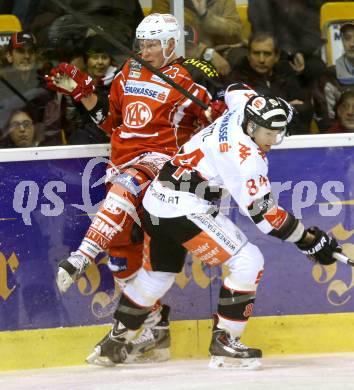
71 269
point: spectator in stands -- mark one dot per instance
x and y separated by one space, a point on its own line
261 70
296 25
345 63
25 130
21 85
345 114
328 88
21 54
99 61
21 131
99 64
210 24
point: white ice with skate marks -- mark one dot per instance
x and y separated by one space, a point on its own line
295 372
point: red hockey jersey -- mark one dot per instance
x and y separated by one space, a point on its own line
148 115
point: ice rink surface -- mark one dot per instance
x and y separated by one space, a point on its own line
322 372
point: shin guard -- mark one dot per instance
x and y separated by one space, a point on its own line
113 225
130 314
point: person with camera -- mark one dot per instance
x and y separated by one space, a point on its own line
264 71
296 25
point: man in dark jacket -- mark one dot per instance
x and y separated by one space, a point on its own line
262 70
296 25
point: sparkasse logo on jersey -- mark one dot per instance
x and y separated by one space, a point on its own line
146 89
223 136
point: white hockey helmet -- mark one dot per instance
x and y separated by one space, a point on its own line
159 26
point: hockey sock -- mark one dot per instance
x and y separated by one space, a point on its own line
234 309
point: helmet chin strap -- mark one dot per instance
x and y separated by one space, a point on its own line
167 58
253 127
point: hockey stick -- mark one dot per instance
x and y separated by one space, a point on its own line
343 258
13 89
118 45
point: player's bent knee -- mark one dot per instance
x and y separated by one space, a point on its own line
155 285
246 269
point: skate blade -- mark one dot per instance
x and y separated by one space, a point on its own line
229 363
96 359
151 356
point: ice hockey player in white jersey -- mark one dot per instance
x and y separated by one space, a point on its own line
180 216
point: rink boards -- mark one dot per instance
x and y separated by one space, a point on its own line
47 197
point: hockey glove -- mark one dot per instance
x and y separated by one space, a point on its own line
216 109
321 249
69 80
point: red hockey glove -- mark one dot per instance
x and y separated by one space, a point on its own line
322 248
216 109
69 80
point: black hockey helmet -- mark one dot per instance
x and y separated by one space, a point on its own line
270 112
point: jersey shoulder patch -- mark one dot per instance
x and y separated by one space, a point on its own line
200 69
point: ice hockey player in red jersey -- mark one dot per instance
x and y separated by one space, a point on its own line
148 121
180 215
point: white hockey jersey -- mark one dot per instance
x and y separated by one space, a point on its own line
220 156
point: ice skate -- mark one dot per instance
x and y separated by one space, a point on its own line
149 345
112 349
230 353
70 269
153 345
